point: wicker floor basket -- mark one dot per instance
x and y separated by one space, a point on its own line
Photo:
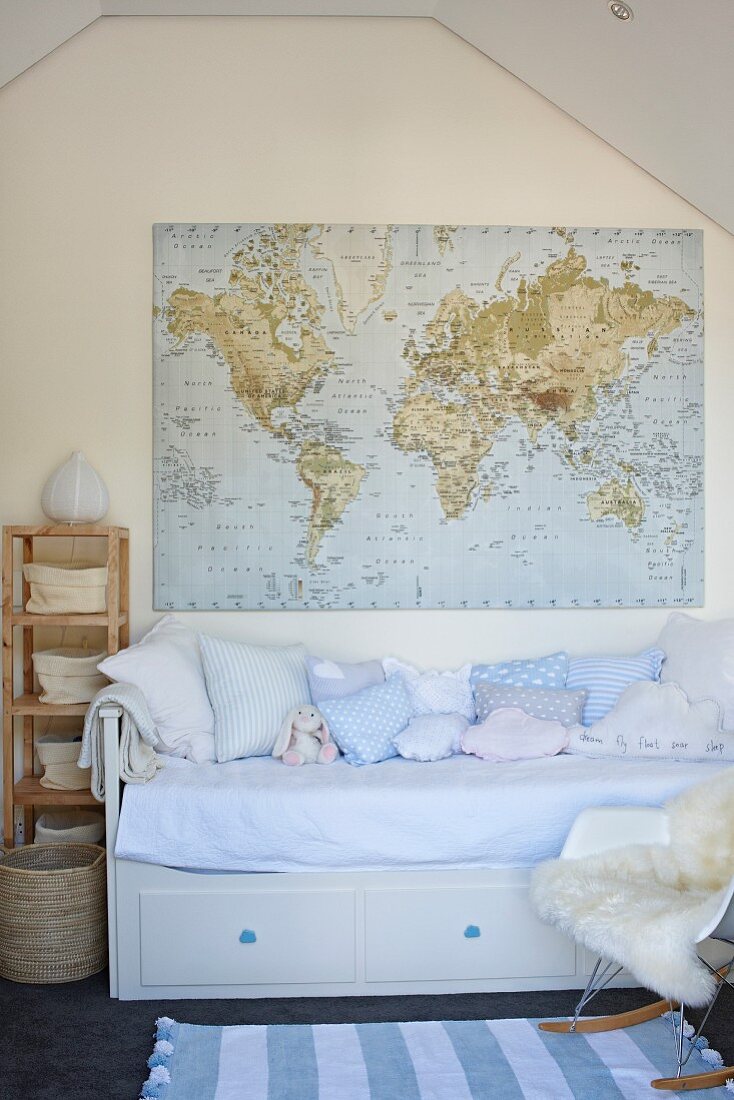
53 913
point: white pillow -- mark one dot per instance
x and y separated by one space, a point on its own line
436 692
166 666
431 736
252 689
700 657
657 721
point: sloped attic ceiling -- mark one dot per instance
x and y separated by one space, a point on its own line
659 88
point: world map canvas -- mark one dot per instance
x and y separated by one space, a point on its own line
417 416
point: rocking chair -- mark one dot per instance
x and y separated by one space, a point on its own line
599 831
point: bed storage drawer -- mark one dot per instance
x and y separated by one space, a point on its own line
247 937
460 933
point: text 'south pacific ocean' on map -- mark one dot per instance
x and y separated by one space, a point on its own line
401 416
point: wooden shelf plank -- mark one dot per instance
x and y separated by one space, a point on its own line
29 792
27 618
30 704
64 530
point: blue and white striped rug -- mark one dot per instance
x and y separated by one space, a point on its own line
454 1060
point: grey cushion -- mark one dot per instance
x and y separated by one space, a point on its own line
699 657
555 706
336 679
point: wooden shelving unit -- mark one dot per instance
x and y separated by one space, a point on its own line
18 628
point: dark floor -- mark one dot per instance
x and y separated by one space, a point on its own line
71 1042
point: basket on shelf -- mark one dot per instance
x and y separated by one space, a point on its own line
59 754
69 827
68 674
53 915
77 588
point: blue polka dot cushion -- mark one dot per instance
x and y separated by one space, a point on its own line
364 725
545 672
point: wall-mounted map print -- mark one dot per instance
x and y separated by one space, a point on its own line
427 416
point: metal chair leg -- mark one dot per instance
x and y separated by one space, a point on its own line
678 1034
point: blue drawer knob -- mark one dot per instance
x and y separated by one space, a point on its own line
472 932
247 936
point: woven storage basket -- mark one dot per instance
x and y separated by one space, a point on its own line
65 589
59 748
53 916
69 827
68 675
59 754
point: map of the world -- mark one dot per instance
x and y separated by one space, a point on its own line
427 416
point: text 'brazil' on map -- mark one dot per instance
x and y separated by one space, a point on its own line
401 416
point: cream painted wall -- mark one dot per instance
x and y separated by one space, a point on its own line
143 120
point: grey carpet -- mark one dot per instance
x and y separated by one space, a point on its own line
71 1042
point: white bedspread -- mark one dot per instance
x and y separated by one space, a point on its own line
258 815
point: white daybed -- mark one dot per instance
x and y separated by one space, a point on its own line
255 880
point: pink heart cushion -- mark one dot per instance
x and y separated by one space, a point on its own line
511 734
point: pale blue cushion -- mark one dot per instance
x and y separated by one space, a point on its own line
605 678
545 672
251 688
335 679
364 725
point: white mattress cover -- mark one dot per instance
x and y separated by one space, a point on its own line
462 812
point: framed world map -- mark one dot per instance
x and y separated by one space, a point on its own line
427 416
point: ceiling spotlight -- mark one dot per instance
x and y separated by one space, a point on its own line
621 11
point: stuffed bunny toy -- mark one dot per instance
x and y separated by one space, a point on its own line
304 738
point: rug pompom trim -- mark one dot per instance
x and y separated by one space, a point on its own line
708 1054
158 1063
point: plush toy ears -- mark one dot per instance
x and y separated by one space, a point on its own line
323 733
284 735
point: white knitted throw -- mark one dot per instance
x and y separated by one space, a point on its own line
138 738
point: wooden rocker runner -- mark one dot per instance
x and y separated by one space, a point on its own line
631 885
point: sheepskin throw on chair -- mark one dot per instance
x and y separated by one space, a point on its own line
643 905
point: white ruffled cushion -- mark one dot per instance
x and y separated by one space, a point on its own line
436 692
431 737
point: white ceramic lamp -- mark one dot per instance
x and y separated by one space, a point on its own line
75 493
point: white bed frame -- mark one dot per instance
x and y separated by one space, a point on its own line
175 933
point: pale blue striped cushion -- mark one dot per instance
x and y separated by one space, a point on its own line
251 688
605 678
